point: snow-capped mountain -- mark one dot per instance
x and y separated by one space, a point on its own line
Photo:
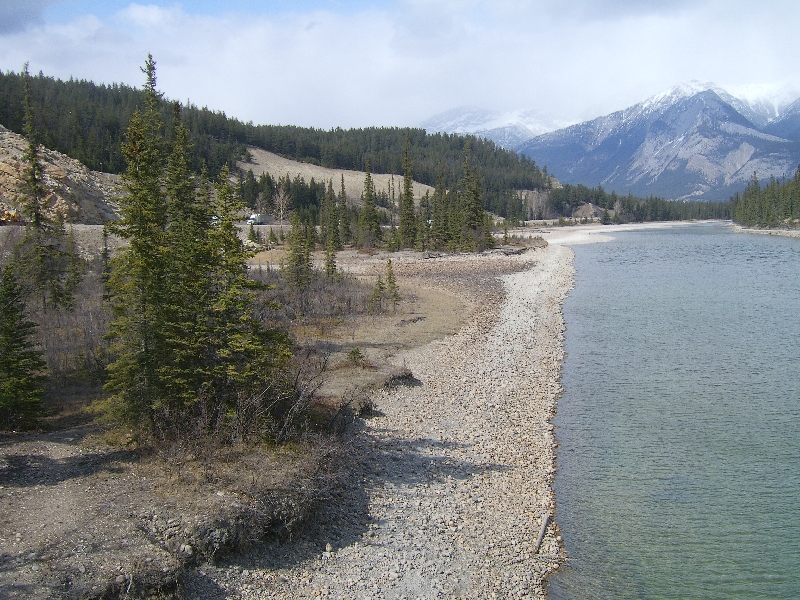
693 141
506 129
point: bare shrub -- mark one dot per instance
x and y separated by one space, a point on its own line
325 300
74 341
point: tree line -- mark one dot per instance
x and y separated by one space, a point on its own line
87 121
565 200
774 204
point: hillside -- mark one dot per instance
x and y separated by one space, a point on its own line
277 166
89 197
87 121
77 193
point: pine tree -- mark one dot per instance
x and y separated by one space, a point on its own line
329 218
424 222
369 227
21 365
345 234
392 291
45 262
139 275
407 229
298 262
375 300
330 258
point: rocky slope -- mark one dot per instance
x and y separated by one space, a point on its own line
75 192
694 141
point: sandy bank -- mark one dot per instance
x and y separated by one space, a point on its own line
572 235
793 233
453 474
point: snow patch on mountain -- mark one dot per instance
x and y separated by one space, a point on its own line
694 140
507 129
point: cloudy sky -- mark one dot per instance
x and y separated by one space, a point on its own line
355 63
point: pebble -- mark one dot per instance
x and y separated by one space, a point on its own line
457 470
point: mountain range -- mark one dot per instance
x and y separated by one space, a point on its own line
506 129
694 141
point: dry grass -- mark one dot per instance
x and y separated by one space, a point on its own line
277 166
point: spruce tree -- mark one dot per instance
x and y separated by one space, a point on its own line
439 214
298 261
345 234
21 364
243 356
375 300
330 258
369 227
392 291
424 222
139 273
329 218
44 262
407 229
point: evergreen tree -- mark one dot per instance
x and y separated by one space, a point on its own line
21 365
244 358
298 263
45 261
407 229
329 218
345 233
139 275
424 222
440 228
375 300
187 261
369 227
472 215
330 258
392 291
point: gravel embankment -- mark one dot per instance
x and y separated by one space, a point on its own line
454 473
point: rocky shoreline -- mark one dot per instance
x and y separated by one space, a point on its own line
453 473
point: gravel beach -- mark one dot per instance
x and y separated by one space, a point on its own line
454 472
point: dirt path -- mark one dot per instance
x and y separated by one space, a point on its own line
453 473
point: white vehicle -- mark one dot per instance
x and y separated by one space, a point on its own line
257 219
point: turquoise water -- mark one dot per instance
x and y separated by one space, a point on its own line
679 428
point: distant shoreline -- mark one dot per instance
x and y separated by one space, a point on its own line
570 235
792 233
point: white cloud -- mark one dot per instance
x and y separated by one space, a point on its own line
399 64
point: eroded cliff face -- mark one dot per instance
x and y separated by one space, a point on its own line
75 192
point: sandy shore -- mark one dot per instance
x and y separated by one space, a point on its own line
453 476
794 233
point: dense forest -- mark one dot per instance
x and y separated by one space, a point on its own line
776 204
566 199
87 121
